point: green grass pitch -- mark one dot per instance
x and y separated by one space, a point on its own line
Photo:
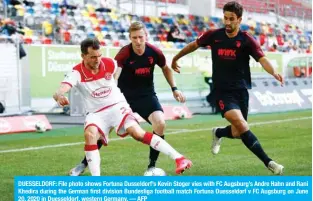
286 137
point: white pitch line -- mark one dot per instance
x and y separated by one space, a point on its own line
169 133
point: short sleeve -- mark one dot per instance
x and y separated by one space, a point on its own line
121 56
254 48
161 59
72 78
205 39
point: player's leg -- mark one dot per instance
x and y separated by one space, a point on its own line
156 117
80 168
91 149
99 144
225 101
150 109
95 128
244 107
157 143
243 132
158 125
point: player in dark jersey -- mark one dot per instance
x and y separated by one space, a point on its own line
231 49
136 63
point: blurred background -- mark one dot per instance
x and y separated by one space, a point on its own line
39 43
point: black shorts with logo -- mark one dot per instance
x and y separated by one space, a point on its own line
233 99
145 105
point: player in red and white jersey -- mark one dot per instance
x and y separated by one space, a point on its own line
98 91
107 107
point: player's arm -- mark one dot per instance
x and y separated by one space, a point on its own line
59 95
186 50
168 74
259 56
117 73
119 61
266 64
71 79
203 40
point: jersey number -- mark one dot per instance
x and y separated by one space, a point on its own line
125 110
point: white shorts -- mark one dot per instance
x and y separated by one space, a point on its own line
118 116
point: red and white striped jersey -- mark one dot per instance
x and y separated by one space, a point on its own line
99 91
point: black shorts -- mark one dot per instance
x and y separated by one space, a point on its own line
145 105
234 99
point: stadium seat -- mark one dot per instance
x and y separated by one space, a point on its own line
28 40
116 43
66 37
46 41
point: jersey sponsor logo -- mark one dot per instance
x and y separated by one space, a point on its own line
143 71
131 62
108 76
101 92
226 53
150 60
217 41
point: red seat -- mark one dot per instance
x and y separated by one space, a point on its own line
46 41
102 43
47 5
116 43
93 15
97 28
102 22
28 40
66 36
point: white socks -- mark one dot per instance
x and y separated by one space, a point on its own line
93 159
160 145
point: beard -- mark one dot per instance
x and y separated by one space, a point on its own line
94 67
230 29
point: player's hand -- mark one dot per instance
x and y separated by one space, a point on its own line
175 66
279 78
179 96
62 101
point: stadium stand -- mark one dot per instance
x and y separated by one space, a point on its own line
283 7
49 22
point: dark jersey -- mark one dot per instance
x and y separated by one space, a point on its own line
230 58
136 78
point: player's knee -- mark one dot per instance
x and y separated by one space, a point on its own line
90 137
241 126
136 132
159 127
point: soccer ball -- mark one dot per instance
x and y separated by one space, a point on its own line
155 172
40 127
182 114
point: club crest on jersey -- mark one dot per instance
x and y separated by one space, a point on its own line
108 76
150 60
101 92
238 43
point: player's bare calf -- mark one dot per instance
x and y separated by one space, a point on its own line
161 145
